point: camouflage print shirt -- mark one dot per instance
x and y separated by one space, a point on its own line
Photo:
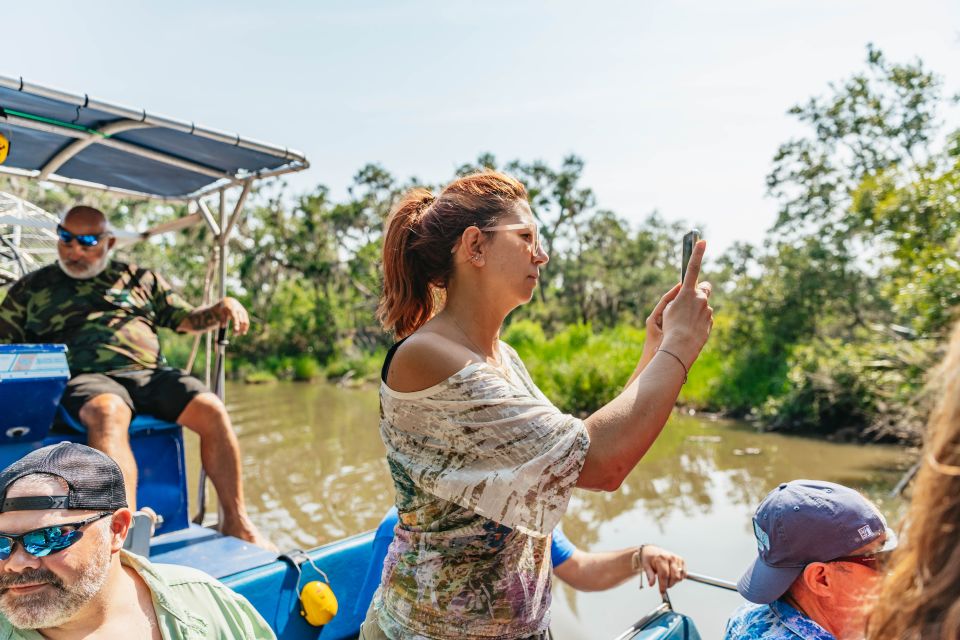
109 323
483 465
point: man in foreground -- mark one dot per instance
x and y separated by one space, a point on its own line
107 313
820 545
64 575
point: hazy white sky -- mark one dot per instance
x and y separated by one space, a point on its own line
675 105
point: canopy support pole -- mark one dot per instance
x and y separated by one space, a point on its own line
222 229
208 217
237 210
222 241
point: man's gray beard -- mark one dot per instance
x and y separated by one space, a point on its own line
57 603
89 272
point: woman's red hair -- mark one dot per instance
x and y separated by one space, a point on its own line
420 234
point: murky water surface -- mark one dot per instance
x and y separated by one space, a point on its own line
314 471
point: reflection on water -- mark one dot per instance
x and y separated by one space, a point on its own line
314 472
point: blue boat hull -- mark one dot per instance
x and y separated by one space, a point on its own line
669 625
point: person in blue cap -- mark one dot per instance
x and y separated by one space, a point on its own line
820 546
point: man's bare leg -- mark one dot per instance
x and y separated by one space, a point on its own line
107 419
220 454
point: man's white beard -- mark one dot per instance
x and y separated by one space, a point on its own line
57 603
88 271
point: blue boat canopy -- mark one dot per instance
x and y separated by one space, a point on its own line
76 139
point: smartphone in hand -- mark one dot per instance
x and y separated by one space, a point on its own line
689 240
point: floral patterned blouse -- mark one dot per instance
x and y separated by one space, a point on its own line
483 466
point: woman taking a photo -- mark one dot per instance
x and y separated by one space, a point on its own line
482 462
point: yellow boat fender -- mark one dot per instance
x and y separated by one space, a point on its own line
4 148
318 602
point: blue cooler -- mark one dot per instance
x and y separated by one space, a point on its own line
32 379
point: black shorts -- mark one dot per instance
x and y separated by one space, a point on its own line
163 393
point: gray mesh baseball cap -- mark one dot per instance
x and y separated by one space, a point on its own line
806 521
93 477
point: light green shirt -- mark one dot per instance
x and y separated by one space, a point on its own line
190 605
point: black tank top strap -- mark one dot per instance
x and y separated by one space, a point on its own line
389 359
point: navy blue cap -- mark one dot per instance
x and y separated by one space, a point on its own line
806 521
93 478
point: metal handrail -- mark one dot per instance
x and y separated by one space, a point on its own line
713 582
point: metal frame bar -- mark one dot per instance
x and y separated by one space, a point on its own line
76 147
238 208
140 195
207 216
85 140
222 242
173 225
27 223
713 582
93 186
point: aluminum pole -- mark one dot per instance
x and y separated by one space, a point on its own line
221 342
713 582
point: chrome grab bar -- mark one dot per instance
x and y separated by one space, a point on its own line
714 582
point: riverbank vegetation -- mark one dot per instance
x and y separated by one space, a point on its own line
826 327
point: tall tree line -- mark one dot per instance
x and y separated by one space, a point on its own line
829 324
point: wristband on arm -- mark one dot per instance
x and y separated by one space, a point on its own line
636 561
677 358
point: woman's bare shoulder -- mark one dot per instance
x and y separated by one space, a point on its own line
425 359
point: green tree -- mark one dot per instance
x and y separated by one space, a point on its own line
849 258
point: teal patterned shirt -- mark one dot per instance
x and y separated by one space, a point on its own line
774 621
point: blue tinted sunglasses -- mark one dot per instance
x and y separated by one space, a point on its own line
46 540
83 239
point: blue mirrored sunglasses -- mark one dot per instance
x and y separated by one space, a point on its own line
83 239
46 540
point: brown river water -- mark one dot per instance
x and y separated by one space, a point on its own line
314 472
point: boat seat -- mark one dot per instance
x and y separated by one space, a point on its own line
162 476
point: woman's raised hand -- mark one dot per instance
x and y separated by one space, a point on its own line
688 317
654 326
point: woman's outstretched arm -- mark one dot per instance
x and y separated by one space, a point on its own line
622 431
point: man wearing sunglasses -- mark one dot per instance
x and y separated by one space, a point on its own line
820 550
108 313
64 574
